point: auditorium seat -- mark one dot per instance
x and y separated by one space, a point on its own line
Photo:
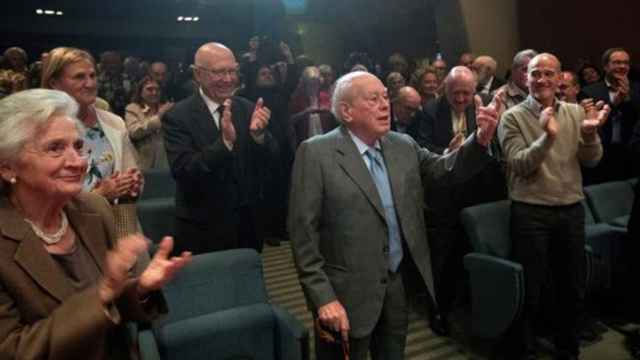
611 202
218 309
158 183
157 217
497 283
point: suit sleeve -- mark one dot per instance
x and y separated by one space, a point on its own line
455 167
186 161
305 217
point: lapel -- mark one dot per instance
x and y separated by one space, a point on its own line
32 257
444 113
205 130
470 114
114 136
351 162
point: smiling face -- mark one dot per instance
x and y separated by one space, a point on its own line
216 70
618 65
78 79
53 164
366 109
543 78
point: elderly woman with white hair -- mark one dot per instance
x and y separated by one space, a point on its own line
66 289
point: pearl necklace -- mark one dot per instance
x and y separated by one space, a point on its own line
51 239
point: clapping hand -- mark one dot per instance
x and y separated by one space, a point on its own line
259 119
228 130
548 122
117 265
596 115
455 143
487 120
162 268
622 89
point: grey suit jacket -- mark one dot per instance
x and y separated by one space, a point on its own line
337 223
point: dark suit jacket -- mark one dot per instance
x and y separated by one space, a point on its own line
497 82
337 223
413 128
213 183
41 315
436 130
445 202
629 111
634 219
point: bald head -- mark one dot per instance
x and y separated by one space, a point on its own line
547 58
210 52
459 88
543 77
485 67
406 104
216 70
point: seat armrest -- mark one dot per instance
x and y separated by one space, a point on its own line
148 346
293 337
497 293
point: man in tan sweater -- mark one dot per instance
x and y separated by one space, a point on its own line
545 141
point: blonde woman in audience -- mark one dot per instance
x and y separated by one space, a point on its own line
142 117
425 80
113 170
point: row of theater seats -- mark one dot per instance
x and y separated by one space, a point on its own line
218 305
497 284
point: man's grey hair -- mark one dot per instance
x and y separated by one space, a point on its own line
459 72
24 113
522 57
343 91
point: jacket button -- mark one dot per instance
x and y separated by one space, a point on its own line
383 281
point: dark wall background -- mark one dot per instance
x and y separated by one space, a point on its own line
573 29
149 28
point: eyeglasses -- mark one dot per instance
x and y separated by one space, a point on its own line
58 148
218 73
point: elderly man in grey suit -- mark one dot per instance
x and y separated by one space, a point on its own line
356 217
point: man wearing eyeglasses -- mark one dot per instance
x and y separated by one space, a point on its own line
623 96
218 148
406 111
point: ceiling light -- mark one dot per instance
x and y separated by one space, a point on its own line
180 18
196 18
188 18
58 12
49 12
39 11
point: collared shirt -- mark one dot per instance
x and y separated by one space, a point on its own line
514 95
213 109
362 148
459 123
212 106
486 89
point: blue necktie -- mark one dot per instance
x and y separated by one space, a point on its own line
380 178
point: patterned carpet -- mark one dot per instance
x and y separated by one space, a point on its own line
284 289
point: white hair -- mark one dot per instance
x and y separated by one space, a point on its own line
24 113
343 91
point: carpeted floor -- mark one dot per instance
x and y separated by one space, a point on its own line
284 289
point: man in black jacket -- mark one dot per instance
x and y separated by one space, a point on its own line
623 96
218 146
